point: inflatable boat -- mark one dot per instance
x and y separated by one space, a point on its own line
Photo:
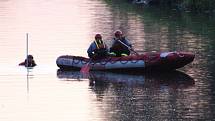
146 61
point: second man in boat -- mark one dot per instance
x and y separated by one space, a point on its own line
120 46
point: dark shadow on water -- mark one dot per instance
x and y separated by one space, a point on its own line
173 79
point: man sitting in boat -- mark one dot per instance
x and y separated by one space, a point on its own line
120 46
29 62
98 49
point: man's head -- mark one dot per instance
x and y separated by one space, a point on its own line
30 58
98 37
118 34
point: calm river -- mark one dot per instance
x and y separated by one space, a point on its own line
60 27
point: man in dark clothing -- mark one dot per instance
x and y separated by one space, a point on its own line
120 46
29 62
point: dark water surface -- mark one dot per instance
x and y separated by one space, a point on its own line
60 27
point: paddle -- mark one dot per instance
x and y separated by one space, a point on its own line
128 47
86 68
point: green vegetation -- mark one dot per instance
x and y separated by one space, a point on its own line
198 5
207 6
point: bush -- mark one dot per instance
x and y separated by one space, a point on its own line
199 5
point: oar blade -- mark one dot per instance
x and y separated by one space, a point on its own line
85 68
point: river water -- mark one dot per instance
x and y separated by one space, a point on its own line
60 27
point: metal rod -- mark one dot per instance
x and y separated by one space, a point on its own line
27 49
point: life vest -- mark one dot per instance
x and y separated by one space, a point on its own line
100 51
99 44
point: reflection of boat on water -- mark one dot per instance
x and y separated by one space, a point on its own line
174 79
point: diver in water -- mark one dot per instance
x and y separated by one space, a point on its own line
29 62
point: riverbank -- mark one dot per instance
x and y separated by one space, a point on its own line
206 6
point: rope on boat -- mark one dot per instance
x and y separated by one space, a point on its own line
77 60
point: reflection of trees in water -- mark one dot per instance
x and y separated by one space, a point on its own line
157 96
147 97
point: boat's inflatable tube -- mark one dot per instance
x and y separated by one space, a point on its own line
151 60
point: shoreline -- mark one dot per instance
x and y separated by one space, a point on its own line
206 7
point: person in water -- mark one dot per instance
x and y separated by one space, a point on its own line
29 62
97 49
120 46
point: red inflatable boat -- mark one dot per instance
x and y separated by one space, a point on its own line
146 61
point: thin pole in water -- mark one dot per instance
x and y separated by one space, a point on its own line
27 48
27 62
